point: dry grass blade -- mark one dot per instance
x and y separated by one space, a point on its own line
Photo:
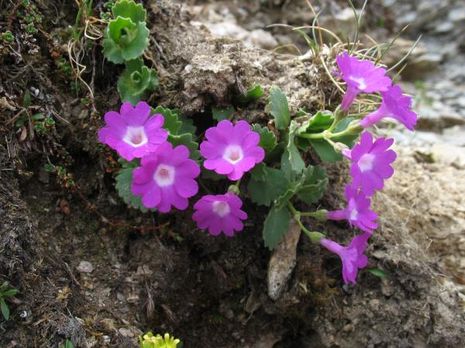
406 55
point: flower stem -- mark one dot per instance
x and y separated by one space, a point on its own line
234 188
327 134
312 235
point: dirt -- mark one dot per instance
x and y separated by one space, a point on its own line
93 271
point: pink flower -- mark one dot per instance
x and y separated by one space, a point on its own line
166 178
361 76
395 105
371 163
352 256
132 132
357 212
220 213
231 149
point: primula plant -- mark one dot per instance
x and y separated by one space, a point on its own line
270 166
125 40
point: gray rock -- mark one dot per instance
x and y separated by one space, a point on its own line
282 261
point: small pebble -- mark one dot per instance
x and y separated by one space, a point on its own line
85 267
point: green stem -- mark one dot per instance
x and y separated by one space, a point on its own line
318 214
312 235
327 134
234 188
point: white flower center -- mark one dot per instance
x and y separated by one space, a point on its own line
135 136
365 162
353 214
221 208
164 175
233 154
360 81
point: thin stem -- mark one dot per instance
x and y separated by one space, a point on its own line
312 235
328 135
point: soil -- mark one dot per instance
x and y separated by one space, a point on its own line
93 271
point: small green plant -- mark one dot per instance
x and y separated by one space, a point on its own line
67 344
7 36
6 291
126 36
149 340
136 80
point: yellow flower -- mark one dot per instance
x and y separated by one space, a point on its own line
151 341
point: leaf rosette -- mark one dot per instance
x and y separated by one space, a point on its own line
136 80
125 39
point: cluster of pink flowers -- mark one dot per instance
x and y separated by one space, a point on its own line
166 176
371 159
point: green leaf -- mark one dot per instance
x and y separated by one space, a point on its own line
129 9
123 187
221 114
266 184
318 123
172 122
267 138
125 40
254 93
377 272
291 160
275 226
186 139
9 293
187 125
279 108
136 80
314 185
5 309
27 99
325 150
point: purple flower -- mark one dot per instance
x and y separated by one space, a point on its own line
132 132
166 178
371 163
395 105
352 256
360 76
357 212
231 149
220 213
